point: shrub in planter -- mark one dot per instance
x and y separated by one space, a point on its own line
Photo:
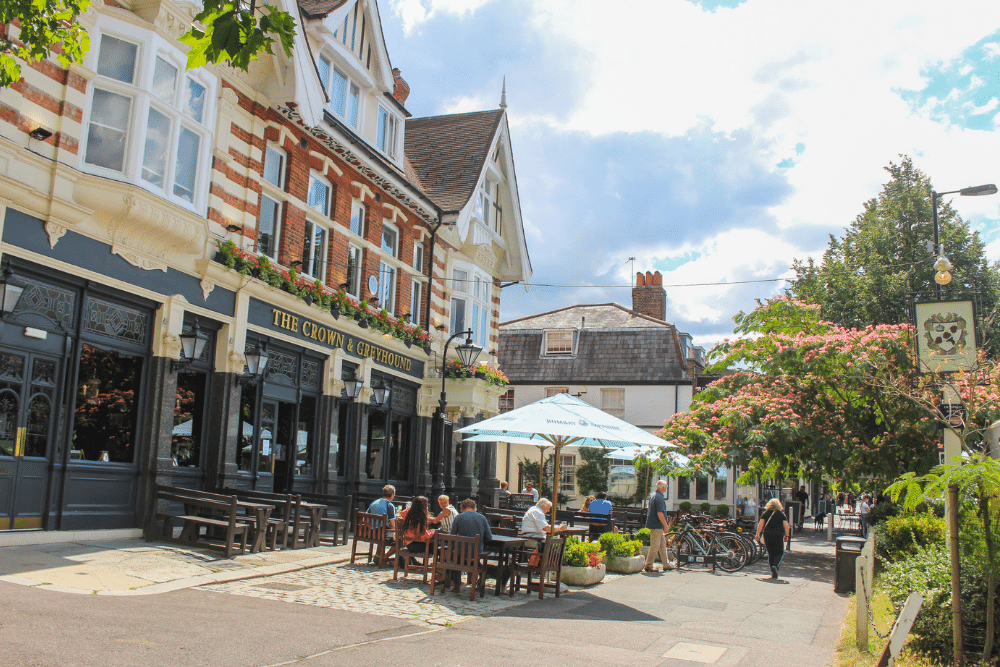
625 557
706 507
583 563
721 510
685 506
643 536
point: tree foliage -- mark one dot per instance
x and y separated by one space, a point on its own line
235 33
592 473
867 276
811 399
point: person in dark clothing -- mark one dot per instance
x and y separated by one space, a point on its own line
774 526
469 523
803 497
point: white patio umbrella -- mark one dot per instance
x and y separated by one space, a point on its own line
563 420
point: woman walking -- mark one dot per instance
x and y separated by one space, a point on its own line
774 525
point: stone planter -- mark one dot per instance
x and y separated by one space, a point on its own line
582 576
644 551
629 565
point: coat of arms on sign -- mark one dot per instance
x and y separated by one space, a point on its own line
946 333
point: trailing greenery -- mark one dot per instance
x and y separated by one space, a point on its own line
455 369
315 293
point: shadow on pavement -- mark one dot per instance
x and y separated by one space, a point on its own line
579 605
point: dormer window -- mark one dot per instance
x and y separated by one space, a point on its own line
344 94
558 343
387 135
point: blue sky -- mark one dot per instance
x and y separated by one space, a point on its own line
715 141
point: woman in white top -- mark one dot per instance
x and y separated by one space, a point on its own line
447 514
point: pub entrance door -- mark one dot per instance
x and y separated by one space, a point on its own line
28 395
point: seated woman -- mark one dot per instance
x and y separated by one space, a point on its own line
446 516
413 526
586 504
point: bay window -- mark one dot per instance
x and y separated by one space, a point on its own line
148 119
470 303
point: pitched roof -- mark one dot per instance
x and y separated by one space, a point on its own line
317 9
602 315
613 346
447 153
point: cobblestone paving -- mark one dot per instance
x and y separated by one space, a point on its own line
366 589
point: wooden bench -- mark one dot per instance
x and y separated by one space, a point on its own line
597 523
256 514
201 511
282 518
339 505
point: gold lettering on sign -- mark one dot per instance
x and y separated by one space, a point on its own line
333 338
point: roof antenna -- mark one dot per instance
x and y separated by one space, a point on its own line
632 280
503 94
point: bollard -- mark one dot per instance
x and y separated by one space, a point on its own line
861 618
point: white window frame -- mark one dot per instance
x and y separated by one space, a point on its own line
151 46
476 293
276 231
613 401
567 473
352 91
388 278
358 212
315 267
388 132
355 252
314 179
554 343
416 300
394 250
418 257
506 403
271 152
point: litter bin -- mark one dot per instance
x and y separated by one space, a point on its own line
848 550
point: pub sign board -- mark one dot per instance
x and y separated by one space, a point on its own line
521 502
946 336
267 316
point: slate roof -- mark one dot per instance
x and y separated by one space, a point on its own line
317 9
447 154
616 346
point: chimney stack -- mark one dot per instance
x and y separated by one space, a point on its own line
400 89
648 296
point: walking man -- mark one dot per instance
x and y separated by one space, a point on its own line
656 521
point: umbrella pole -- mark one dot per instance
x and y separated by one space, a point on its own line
555 487
541 469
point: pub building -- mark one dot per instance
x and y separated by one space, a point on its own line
187 259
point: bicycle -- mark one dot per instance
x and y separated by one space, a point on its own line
727 552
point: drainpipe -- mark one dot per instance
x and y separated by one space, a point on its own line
430 276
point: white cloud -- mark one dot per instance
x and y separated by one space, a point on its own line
416 12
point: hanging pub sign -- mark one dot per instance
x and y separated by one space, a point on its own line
946 336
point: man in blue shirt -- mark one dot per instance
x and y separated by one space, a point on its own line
469 523
600 504
656 521
383 506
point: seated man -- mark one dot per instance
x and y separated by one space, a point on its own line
534 525
601 504
530 488
504 492
383 506
469 523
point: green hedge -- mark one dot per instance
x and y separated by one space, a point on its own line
902 536
928 571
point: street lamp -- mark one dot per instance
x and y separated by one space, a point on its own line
352 387
256 357
942 265
951 441
468 352
10 293
192 344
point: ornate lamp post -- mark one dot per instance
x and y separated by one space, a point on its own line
468 352
952 442
352 387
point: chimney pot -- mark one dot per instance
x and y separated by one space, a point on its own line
400 89
648 296
640 279
657 278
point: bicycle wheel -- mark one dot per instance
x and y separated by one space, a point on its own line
748 546
685 551
735 555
